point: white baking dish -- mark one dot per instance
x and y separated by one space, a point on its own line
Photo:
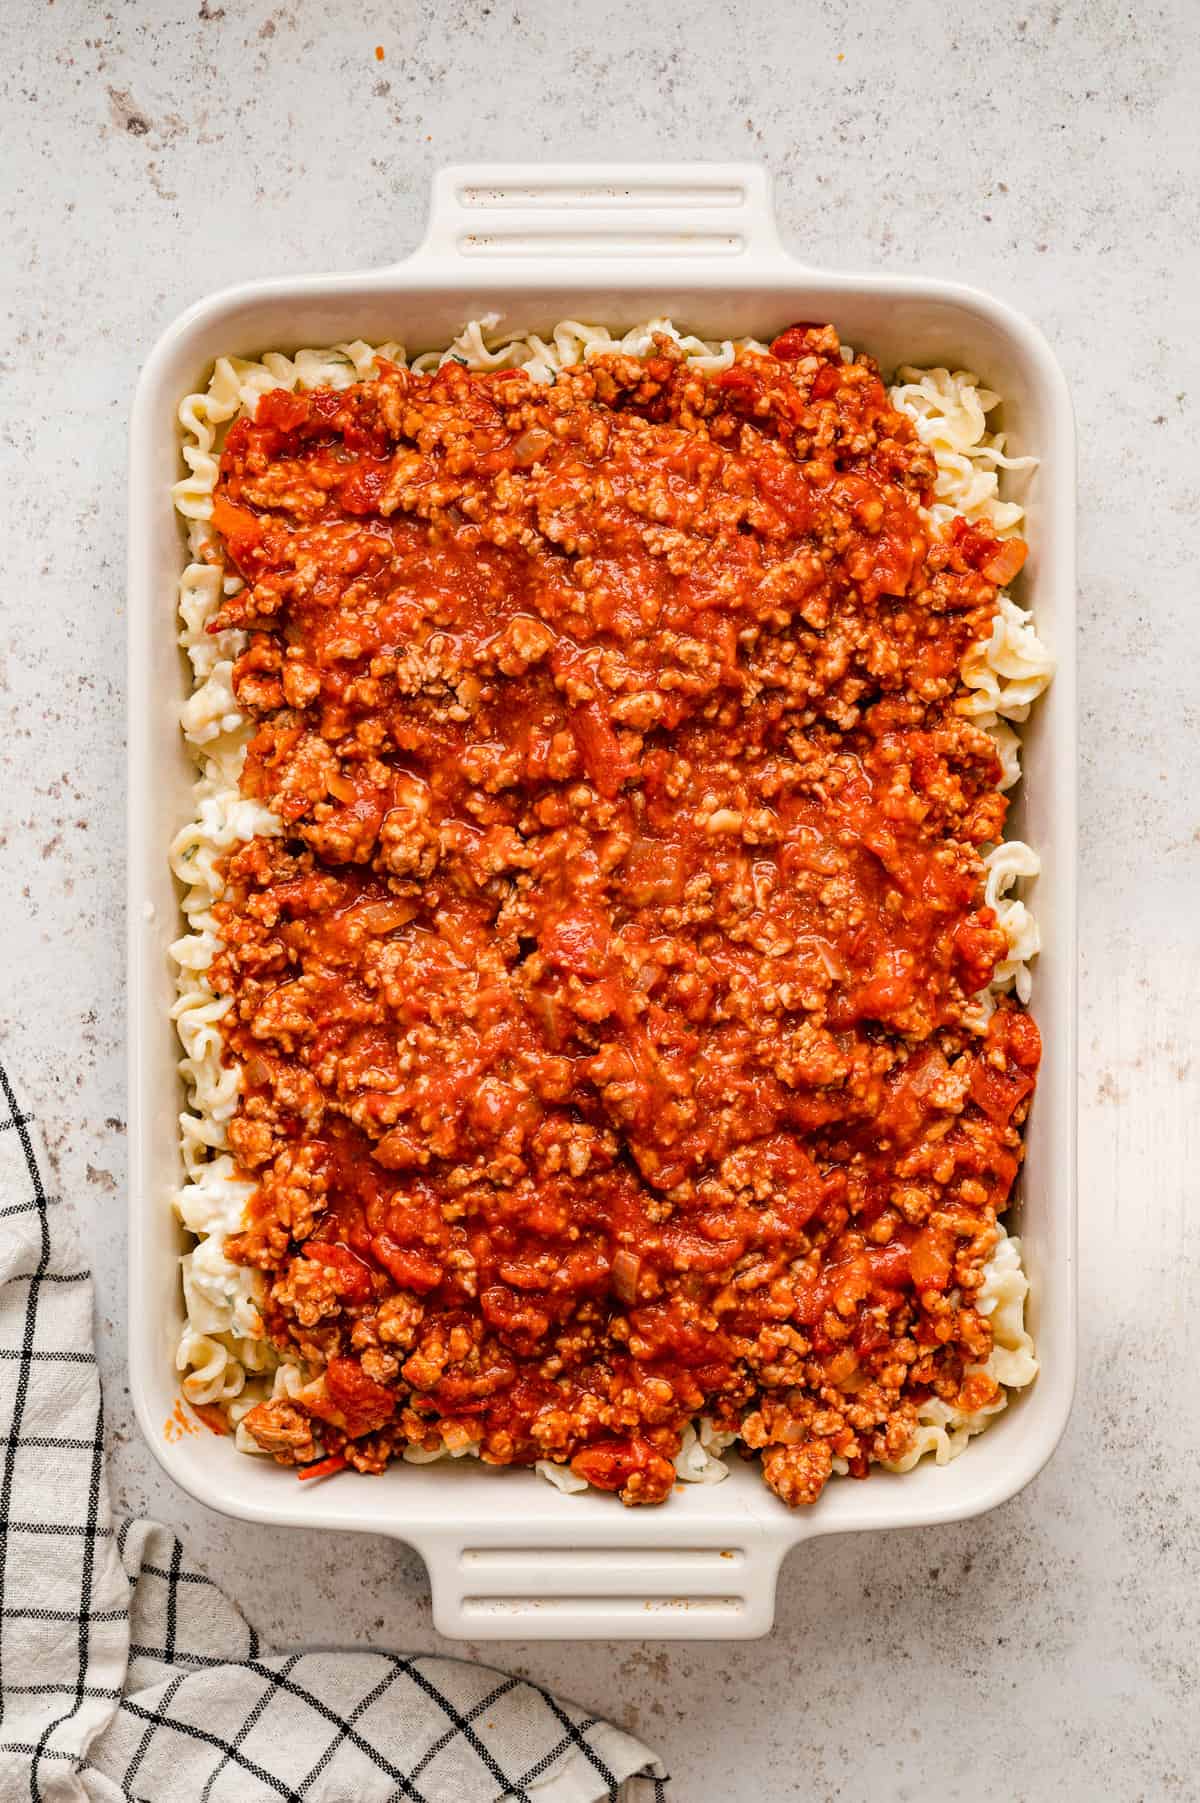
508 1555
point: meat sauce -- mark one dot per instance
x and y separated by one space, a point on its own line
604 1011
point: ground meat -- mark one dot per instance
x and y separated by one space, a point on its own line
284 1430
603 1010
798 1474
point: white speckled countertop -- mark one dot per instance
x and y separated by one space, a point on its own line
154 151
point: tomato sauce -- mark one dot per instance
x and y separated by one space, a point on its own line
606 1011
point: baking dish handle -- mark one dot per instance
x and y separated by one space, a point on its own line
511 213
515 1582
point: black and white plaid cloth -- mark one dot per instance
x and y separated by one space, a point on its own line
125 1673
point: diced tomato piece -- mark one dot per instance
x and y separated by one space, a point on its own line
611 1464
410 1269
693 1251
362 488
891 1267
795 343
577 941
282 410
870 1335
998 1093
362 1405
973 545
976 949
241 529
931 1258
599 748
1016 1034
741 382
663 1334
511 1313
996 559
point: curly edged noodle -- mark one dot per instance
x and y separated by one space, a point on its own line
1006 672
223 1356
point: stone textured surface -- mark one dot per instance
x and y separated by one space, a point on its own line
1048 152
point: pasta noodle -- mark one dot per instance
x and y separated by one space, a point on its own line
223 1355
944 1431
950 412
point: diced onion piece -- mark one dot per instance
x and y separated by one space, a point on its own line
1005 562
626 1268
531 447
386 916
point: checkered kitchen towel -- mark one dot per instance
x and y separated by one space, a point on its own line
126 1674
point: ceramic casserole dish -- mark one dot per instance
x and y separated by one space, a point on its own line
509 1556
